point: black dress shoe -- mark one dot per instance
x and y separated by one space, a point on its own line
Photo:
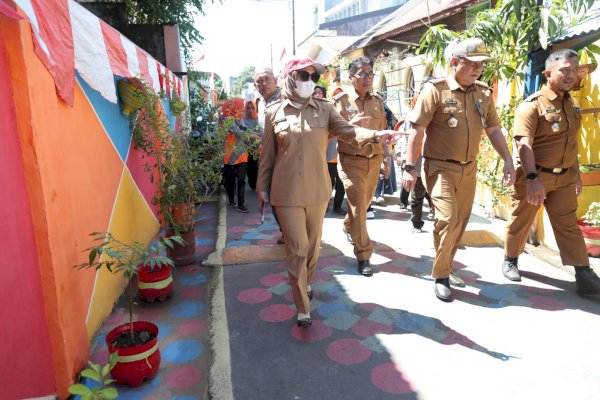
309 294
586 281
304 323
364 268
340 211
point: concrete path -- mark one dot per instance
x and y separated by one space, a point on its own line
388 337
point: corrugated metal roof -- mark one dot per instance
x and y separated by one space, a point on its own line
589 26
413 14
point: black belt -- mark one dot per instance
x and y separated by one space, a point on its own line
451 161
555 171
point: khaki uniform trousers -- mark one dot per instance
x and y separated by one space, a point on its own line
302 228
561 206
360 176
452 190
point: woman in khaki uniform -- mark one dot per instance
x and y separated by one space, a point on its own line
294 162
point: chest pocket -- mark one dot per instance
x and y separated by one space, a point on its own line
282 132
555 122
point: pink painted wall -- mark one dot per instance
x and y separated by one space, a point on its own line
26 345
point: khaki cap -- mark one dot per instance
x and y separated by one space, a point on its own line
472 49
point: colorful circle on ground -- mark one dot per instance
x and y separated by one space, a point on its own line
387 377
181 351
164 329
366 328
183 377
191 328
318 331
254 296
277 313
273 279
193 280
191 292
188 309
348 351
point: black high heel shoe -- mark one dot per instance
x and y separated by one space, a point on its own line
304 323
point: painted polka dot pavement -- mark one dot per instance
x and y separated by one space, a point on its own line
183 323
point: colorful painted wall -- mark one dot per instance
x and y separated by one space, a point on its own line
68 170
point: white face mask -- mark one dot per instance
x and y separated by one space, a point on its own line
305 89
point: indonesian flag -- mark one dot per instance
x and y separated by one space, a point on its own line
282 54
199 59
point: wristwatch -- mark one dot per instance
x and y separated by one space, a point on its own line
531 176
409 167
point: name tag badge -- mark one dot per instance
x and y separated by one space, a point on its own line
555 127
452 122
550 110
451 102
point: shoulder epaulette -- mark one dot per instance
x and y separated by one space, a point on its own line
436 81
339 96
533 96
483 84
277 101
378 96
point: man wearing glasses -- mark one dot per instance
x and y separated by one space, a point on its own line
359 167
453 112
546 128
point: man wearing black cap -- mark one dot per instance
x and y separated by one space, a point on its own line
453 112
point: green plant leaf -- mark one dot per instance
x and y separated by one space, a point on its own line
79 389
110 393
89 373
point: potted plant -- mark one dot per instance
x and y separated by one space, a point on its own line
135 342
590 227
97 381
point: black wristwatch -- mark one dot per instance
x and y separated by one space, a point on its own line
409 167
531 176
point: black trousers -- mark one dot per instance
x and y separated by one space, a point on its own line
235 175
416 203
252 172
337 184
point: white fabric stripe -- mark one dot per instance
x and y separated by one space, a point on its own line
27 7
132 60
153 73
91 58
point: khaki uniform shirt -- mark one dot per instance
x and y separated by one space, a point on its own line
553 123
372 106
293 158
455 119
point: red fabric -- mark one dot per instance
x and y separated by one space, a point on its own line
161 78
115 50
54 22
9 12
233 108
143 62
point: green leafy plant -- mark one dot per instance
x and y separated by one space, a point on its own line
592 216
100 374
125 258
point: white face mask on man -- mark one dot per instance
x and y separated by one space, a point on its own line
305 89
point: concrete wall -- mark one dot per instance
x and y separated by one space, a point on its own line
67 171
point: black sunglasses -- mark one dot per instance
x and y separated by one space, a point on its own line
304 76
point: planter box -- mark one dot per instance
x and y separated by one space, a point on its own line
590 178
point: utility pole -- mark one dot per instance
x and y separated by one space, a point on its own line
293 28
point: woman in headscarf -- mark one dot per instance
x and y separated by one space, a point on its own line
236 158
294 162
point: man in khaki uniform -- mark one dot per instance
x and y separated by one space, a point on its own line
294 162
359 167
546 128
452 113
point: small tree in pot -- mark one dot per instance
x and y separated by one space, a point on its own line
135 342
590 227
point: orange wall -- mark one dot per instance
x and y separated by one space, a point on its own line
72 173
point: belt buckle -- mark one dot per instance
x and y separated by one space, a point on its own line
557 170
463 162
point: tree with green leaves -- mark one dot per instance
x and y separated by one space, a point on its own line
511 30
180 12
245 76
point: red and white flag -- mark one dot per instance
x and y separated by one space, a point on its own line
211 81
282 54
199 59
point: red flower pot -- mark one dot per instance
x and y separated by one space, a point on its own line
591 235
136 363
155 284
184 255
